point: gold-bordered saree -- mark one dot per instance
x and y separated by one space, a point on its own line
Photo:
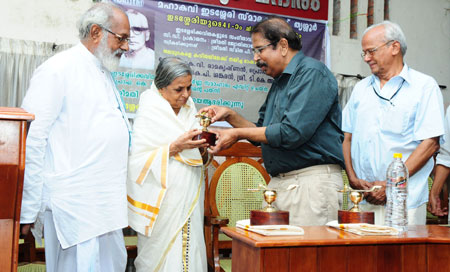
163 192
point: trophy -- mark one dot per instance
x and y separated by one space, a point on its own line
205 121
269 215
355 214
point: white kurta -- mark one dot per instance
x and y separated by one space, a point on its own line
165 194
76 158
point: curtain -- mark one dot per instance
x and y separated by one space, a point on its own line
18 60
345 85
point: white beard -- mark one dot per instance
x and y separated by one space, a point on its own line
110 60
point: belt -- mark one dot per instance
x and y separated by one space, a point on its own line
311 170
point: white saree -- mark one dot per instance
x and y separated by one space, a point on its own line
165 194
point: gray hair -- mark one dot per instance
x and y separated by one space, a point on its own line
99 14
392 32
169 69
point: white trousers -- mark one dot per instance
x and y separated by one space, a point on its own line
104 253
316 199
417 216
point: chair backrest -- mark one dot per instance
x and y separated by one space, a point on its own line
241 170
345 205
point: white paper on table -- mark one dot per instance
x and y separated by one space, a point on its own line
364 228
270 230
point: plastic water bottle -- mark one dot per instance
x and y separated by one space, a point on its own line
397 177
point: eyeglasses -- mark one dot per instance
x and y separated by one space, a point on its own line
372 51
258 50
119 37
138 30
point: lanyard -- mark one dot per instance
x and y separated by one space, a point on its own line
384 98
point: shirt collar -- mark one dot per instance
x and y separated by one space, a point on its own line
404 74
88 55
290 68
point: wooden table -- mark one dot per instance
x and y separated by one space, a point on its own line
422 248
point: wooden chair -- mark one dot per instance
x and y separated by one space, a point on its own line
130 237
31 255
227 198
345 205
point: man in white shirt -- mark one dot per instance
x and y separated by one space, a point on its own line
139 56
395 110
76 160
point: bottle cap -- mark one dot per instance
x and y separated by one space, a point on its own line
398 155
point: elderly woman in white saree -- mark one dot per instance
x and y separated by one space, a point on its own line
165 184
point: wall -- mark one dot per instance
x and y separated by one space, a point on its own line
44 21
426 25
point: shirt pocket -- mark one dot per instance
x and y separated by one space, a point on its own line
395 120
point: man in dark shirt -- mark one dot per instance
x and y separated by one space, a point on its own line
298 126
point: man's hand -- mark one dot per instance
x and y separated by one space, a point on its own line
377 197
216 113
434 205
25 229
225 139
360 184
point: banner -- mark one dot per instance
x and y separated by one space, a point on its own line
214 41
307 9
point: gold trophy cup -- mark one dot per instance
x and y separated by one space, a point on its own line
355 214
270 196
205 121
269 215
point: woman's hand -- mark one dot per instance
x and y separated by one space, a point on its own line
185 141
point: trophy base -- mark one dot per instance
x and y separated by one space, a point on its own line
345 217
258 217
208 136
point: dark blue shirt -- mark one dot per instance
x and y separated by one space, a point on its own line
302 117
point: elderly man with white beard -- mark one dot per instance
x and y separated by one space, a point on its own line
76 160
